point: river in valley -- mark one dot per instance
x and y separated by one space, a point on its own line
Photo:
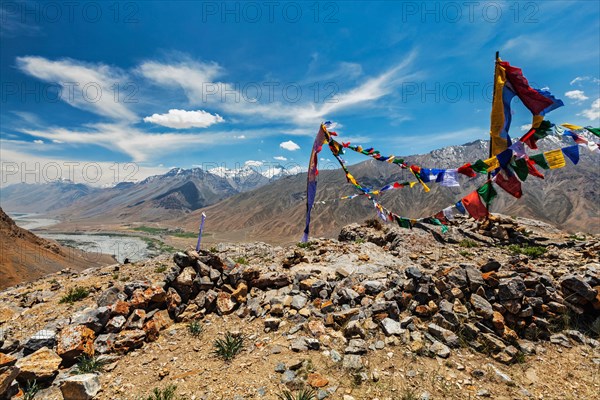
121 246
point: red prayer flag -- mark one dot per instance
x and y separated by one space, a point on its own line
467 170
474 205
512 185
529 139
532 170
531 98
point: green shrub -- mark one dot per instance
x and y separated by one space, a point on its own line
304 394
160 269
230 346
195 328
468 243
305 245
167 393
89 365
75 294
241 260
529 251
30 390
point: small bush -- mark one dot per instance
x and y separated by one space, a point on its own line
468 243
160 269
89 365
195 328
167 393
241 260
359 240
304 394
30 390
305 245
409 394
529 251
213 249
465 253
75 294
230 346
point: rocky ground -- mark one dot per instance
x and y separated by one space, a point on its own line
505 309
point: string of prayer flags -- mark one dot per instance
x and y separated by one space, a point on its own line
572 152
467 170
555 158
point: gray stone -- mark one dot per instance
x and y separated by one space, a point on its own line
103 343
116 324
80 387
280 368
578 286
43 338
110 296
272 323
373 287
560 339
132 286
481 306
511 289
391 327
298 302
181 259
288 376
356 346
352 362
474 277
335 356
439 349
446 336
413 273
93 318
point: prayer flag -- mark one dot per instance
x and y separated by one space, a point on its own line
474 206
555 158
540 160
311 180
487 193
572 152
511 185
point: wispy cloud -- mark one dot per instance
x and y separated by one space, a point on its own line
592 113
280 158
86 86
182 119
577 95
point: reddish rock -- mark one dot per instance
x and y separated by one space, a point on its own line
74 341
327 306
224 303
316 380
128 340
498 321
155 294
422 311
316 328
152 330
173 300
120 308
138 299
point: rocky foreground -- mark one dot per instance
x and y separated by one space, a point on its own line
505 309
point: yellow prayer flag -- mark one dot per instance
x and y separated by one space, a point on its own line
493 163
555 158
573 127
413 184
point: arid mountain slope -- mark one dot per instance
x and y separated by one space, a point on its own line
25 256
568 198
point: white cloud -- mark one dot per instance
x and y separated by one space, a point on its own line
289 145
592 113
280 158
577 95
37 141
253 163
89 87
526 127
182 119
239 137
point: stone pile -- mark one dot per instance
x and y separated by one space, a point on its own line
496 308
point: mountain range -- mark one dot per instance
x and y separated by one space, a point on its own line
250 204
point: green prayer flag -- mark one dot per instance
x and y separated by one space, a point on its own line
404 222
521 169
487 193
480 167
540 160
595 131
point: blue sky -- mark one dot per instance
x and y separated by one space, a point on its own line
139 87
